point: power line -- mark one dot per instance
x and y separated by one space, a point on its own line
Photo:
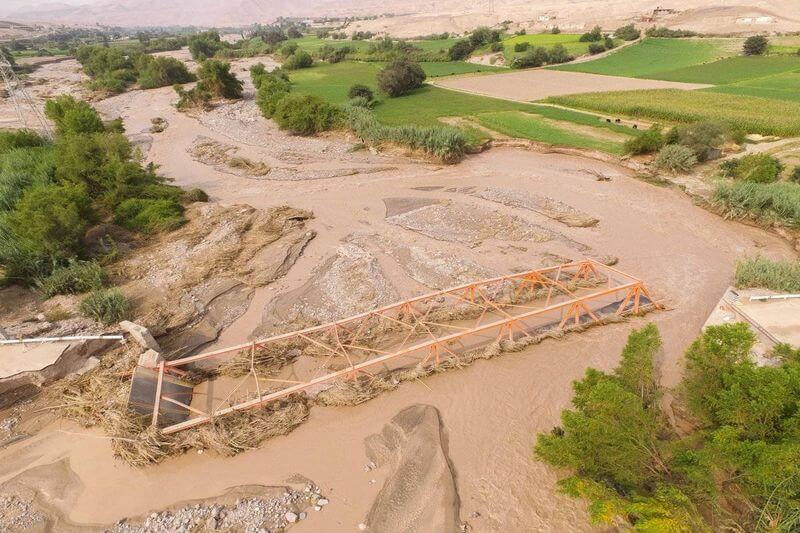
21 98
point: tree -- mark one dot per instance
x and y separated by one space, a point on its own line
400 77
305 114
162 71
709 359
460 50
534 57
298 60
293 33
559 54
205 45
53 218
627 33
596 34
216 78
636 370
73 116
755 45
360 91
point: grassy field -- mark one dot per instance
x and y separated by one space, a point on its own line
787 44
784 86
733 69
651 57
449 68
534 127
427 105
756 115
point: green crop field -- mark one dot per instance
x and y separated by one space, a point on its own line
784 86
733 69
533 127
755 115
428 105
423 106
570 41
651 57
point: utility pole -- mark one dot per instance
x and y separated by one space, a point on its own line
21 98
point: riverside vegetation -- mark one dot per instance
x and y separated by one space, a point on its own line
53 191
737 469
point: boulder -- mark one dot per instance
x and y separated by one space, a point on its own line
421 477
140 334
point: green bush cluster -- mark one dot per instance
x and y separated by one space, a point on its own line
74 277
107 306
443 142
646 142
755 46
400 77
149 215
215 80
305 114
161 72
51 193
734 468
758 168
463 48
676 158
592 36
766 202
297 60
113 69
627 33
538 55
765 273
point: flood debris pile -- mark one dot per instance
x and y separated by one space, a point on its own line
99 398
17 514
223 158
203 278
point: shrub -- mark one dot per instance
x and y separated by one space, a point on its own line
298 60
271 90
305 114
196 98
52 218
149 215
109 67
400 77
205 45
359 90
646 142
795 175
755 45
535 57
216 78
460 50
627 33
701 137
360 101
443 142
287 49
74 278
555 30
596 48
195 195
559 54
22 168
497 47
162 71
762 272
12 139
107 306
758 168
608 43
676 158
592 36
522 46
73 116
767 202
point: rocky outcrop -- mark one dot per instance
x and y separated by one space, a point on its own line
420 493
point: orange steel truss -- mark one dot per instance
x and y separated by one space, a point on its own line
424 330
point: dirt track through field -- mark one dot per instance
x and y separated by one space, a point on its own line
492 410
537 84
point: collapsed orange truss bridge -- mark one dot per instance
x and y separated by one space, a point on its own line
425 330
